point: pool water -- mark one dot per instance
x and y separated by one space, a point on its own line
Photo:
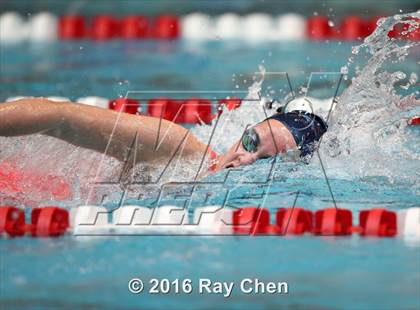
322 272
110 69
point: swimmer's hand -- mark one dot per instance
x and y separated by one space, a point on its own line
226 161
234 160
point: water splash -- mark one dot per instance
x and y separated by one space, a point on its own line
368 133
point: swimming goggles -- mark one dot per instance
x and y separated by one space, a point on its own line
250 140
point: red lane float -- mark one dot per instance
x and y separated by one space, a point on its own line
125 105
415 34
251 221
378 222
12 221
372 24
190 111
166 27
166 108
72 27
333 222
318 28
230 103
174 111
353 28
104 27
158 108
294 221
415 121
45 222
400 30
135 27
197 110
49 222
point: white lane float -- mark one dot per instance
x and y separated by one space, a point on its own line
197 26
13 28
89 220
130 220
58 99
289 27
228 27
213 220
133 220
132 216
16 98
51 98
42 27
170 219
99 102
257 27
93 221
409 223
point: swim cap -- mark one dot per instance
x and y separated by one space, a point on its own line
306 128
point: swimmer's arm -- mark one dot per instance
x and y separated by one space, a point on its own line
28 116
98 129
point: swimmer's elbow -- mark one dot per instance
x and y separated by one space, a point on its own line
194 146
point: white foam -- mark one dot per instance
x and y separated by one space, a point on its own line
368 130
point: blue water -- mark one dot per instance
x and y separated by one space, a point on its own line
322 273
111 69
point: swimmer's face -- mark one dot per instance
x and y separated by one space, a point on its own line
273 138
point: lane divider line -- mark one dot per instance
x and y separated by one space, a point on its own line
189 111
254 27
53 221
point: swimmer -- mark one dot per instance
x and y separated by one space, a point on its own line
113 133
